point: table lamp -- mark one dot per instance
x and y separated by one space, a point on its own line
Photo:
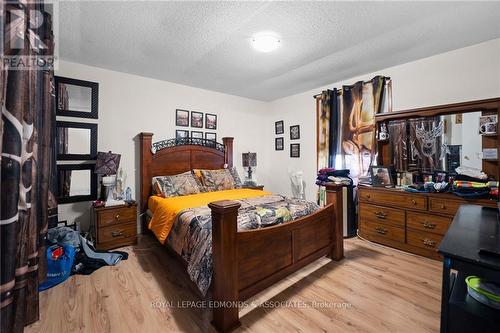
106 166
249 161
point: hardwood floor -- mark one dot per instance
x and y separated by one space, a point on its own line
375 289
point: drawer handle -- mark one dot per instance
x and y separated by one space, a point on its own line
381 215
116 233
413 201
381 230
117 216
429 242
368 196
429 225
443 206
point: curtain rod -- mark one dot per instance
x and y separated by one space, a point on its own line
339 91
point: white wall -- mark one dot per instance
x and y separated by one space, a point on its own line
465 74
130 104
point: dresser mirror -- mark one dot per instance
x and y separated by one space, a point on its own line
76 98
77 182
76 141
442 142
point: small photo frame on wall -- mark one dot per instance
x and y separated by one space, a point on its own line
279 127
182 118
211 136
210 121
488 124
181 134
196 119
295 150
197 134
381 176
279 144
295 132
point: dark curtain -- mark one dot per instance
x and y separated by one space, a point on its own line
27 131
327 119
398 142
360 102
346 125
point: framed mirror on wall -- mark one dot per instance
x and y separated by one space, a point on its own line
76 98
77 182
76 141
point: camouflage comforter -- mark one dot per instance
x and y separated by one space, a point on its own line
191 234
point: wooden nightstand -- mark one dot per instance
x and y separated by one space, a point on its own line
256 187
115 226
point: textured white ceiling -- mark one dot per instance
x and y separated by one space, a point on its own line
206 44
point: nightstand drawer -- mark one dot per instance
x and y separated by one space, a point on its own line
118 232
116 216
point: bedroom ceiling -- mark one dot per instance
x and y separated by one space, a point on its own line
207 44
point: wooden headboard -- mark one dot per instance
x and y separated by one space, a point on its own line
170 157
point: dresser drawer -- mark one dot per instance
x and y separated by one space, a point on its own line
382 215
382 231
444 206
424 240
427 222
394 198
117 232
116 216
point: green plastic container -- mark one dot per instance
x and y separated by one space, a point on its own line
485 292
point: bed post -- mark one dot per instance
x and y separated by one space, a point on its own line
228 144
146 140
334 197
225 265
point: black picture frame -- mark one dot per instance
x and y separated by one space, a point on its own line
295 150
198 133
93 141
279 127
208 125
196 122
295 132
381 176
94 103
211 136
178 134
179 118
279 144
77 198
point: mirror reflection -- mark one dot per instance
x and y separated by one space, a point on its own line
436 143
74 98
74 183
73 140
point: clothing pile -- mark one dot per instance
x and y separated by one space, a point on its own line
333 176
69 253
473 184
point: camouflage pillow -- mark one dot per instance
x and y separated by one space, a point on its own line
236 177
218 180
176 185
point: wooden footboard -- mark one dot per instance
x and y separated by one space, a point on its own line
247 262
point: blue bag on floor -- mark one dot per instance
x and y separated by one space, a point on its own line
58 266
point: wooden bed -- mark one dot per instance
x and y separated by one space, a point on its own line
244 262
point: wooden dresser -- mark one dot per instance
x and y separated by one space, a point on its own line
115 226
412 222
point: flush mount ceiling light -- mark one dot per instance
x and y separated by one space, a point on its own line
265 42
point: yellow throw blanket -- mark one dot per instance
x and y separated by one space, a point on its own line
165 210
